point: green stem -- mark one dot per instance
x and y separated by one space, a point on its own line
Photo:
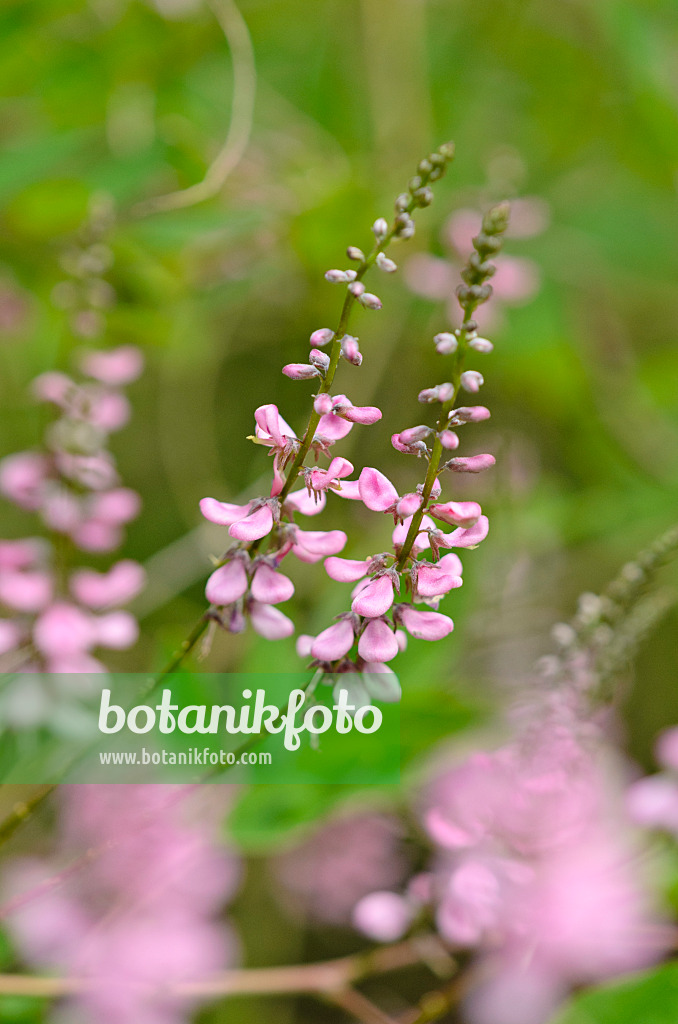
437 449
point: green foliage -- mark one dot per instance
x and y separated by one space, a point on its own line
651 997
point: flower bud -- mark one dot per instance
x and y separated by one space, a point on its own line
354 253
386 264
440 393
340 276
447 150
323 404
413 434
356 288
350 351
496 220
300 371
446 343
369 300
380 227
472 381
469 414
471 463
449 440
402 202
323 336
480 345
319 359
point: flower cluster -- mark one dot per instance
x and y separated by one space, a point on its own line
247 583
130 905
388 585
52 617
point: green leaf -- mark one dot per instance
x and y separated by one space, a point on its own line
648 998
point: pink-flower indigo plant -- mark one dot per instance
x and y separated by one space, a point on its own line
248 581
53 617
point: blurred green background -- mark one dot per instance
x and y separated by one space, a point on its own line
574 102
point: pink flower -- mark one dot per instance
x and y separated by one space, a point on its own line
424 625
457 513
22 479
374 599
334 642
270 622
117 630
422 541
433 581
322 479
377 642
301 371
118 366
244 524
338 420
312 545
27 591
271 428
120 584
227 584
64 630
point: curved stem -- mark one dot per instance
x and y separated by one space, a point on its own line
242 114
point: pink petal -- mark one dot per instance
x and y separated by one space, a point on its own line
339 468
254 526
222 512
365 414
376 490
64 630
666 748
312 545
300 371
346 570
471 463
426 625
119 585
25 591
117 630
115 507
19 554
108 409
304 644
118 366
22 477
10 636
271 587
227 584
97 536
349 489
333 427
267 421
375 599
433 582
408 505
378 642
306 503
270 622
457 513
451 564
334 642
468 538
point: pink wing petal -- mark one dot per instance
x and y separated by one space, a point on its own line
306 503
312 545
270 622
457 513
333 427
226 584
365 414
378 642
426 625
345 570
469 538
375 599
222 512
334 642
271 587
376 490
349 489
257 524
433 581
